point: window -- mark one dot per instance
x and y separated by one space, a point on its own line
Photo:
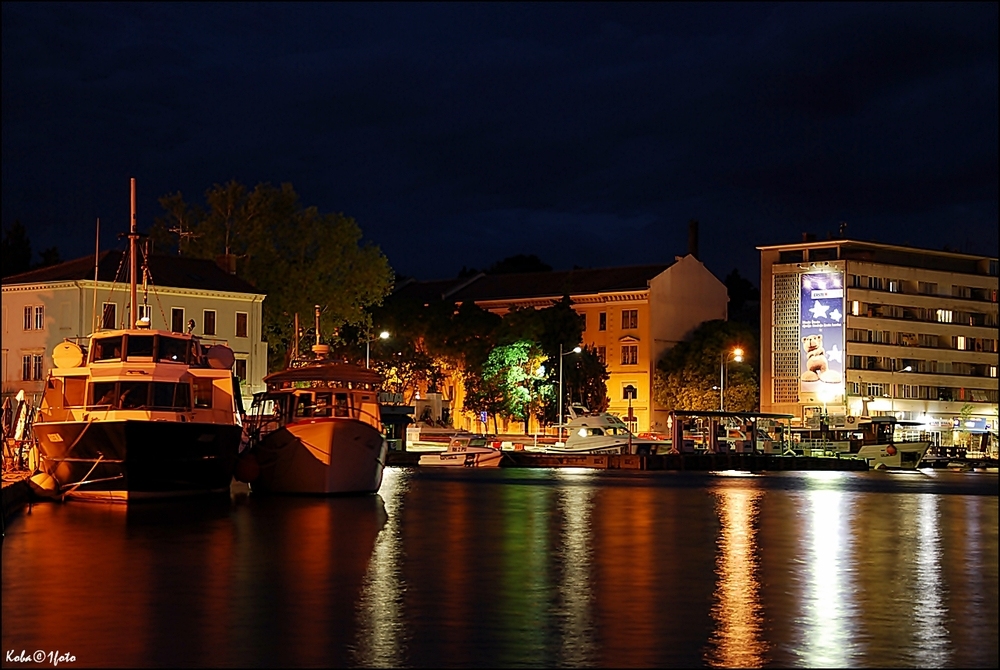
27 317
630 354
855 308
177 319
960 343
241 369
630 318
944 316
927 288
790 256
877 283
39 317
26 367
109 316
241 324
146 314
602 355
31 367
208 318
202 393
602 321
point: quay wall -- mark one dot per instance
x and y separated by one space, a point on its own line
16 494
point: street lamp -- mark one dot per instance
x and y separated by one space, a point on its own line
384 335
575 350
724 358
892 383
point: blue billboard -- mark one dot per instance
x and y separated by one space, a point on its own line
821 325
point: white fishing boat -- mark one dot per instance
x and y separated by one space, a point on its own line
317 429
469 451
872 440
138 412
602 433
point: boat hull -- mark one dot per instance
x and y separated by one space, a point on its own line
484 459
898 456
138 459
321 456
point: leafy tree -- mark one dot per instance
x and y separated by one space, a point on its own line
687 377
508 386
49 256
16 250
298 256
744 300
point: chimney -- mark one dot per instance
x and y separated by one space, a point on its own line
808 237
693 237
227 262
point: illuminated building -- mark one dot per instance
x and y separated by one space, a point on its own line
631 317
43 307
866 329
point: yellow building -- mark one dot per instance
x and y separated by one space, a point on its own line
632 316
855 328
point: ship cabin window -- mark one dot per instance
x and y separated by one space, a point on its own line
172 349
139 346
304 405
104 394
133 395
340 406
322 405
202 393
106 349
171 396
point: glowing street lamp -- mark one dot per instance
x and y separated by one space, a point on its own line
575 350
384 335
724 358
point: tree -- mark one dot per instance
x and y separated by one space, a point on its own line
298 256
687 377
744 300
16 250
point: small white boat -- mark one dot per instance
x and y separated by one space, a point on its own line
467 451
602 433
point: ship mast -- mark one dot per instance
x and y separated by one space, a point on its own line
133 235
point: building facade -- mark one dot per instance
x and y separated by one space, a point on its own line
851 329
631 316
43 307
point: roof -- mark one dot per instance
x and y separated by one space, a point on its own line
326 370
165 271
840 241
535 284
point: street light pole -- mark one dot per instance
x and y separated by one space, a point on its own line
384 335
575 350
892 383
737 355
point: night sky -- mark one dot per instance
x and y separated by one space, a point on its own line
459 134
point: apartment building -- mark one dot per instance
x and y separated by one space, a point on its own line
852 328
631 315
43 307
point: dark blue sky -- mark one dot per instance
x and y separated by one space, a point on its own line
457 135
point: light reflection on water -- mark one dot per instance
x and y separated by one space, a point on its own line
523 568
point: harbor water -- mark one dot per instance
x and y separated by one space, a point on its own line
518 567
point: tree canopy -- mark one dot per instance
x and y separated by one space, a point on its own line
688 376
17 252
297 255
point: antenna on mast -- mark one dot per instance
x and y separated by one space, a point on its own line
133 235
97 260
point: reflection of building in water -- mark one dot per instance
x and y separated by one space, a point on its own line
381 631
577 638
827 638
738 640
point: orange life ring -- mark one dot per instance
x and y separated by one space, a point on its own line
891 450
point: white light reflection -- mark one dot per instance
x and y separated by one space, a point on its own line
826 635
576 502
737 641
930 611
382 634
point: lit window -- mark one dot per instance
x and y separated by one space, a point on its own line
993 371
944 316
960 343
855 308
630 354
630 319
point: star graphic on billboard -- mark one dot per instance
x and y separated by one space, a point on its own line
818 309
835 314
835 354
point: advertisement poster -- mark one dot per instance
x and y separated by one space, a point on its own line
822 328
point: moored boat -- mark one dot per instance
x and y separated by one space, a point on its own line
138 412
871 440
602 433
470 451
316 430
